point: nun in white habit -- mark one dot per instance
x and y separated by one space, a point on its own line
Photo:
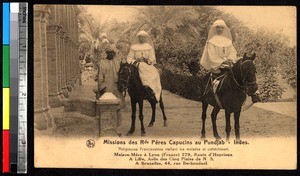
142 49
218 50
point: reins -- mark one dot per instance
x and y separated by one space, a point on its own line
126 81
135 64
239 86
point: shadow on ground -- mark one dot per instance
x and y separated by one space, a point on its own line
184 120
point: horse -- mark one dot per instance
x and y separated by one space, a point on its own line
239 80
128 79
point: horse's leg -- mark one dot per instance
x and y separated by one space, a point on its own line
237 114
228 126
214 122
153 106
204 109
133 117
162 107
141 116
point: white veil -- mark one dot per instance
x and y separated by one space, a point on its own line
135 39
213 31
223 40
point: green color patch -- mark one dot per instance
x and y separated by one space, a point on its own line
6 66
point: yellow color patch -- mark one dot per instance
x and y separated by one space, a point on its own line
6 108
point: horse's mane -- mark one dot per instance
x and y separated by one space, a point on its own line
133 69
237 63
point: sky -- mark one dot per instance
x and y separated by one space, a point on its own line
279 19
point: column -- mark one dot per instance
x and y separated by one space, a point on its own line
63 50
75 56
63 63
45 15
68 43
71 45
52 54
41 106
59 52
58 38
67 61
78 74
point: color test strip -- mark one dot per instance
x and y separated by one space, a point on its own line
22 104
5 87
14 82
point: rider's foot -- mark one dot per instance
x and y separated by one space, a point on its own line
150 94
255 98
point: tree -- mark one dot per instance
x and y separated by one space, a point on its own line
90 32
180 34
289 67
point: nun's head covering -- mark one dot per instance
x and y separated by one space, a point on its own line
213 30
223 40
103 35
135 39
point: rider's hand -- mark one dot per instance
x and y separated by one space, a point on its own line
140 59
227 62
148 61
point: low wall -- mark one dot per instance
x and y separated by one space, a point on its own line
105 109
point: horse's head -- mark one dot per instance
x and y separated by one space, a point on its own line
124 76
248 73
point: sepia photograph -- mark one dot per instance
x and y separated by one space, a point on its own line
165 87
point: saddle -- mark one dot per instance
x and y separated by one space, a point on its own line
214 85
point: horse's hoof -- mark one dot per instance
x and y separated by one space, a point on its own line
165 123
203 136
150 125
129 133
143 133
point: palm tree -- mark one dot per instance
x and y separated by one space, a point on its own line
161 21
90 32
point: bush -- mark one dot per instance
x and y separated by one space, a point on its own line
179 35
269 89
289 67
185 86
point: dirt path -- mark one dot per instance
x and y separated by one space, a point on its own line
184 119
284 108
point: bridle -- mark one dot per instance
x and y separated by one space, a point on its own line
125 80
135 64
245 84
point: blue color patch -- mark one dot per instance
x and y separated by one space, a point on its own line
6 18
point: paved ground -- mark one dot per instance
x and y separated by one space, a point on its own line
184 119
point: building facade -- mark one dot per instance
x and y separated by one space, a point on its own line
56 58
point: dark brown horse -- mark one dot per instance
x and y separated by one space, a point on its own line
239 81
129 80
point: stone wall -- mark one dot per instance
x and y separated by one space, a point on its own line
56 58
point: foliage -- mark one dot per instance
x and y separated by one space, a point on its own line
289 67
89 36
269 89
185 86
179 35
